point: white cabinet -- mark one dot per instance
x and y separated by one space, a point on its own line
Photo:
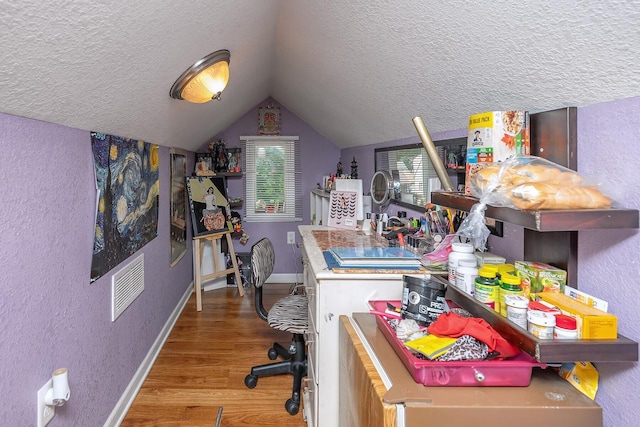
331 295
319 212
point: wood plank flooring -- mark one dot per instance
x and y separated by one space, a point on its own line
203 363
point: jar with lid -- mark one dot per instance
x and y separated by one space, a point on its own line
506 269
541 324
459 251
466 274
517 309
486 287
509 284
566 328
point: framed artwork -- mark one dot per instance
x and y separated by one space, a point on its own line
209 206
269 120
343 207
178 204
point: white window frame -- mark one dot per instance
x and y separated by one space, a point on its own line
293 188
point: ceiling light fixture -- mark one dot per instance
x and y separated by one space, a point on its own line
205 80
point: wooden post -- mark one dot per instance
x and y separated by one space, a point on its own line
218 271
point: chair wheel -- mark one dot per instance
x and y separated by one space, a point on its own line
292 407
273 354
250 381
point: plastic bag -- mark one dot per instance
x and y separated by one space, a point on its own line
526 183
474 227
534 183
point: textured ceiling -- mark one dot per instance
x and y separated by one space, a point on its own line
357 71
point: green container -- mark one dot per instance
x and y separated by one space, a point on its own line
509 284
486 287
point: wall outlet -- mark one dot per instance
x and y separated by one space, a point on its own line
45 412
291 237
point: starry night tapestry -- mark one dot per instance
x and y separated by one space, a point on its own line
128 185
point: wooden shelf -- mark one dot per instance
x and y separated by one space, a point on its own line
621 350
546 220
229 174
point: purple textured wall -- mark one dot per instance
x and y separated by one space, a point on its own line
50 316
319 157
608 147
608 263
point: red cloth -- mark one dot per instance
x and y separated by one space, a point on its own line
453 325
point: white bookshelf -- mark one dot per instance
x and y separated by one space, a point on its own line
319 201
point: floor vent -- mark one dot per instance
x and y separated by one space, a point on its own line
126 285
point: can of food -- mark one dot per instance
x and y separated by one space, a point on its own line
541 324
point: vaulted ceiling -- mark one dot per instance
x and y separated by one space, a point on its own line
357 71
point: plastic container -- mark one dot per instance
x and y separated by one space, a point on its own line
517 307
541 324
486 287
512 372
506 269
509 285
422 299
466 274
566 328
458 251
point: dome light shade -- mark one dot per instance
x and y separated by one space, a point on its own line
205 80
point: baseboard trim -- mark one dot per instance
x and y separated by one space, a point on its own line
126 400
285 278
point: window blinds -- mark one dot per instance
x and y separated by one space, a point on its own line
273 189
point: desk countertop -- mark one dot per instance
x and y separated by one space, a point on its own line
317 239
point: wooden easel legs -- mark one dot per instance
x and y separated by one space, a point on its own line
217 269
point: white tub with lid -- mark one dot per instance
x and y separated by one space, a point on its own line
541 324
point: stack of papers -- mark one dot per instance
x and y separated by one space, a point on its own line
375 257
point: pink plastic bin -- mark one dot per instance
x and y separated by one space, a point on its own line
513 372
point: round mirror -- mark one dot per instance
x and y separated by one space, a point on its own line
381 187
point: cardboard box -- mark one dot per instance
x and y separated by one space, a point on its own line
592 323
495 136
539 277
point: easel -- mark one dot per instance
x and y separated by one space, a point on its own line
217 272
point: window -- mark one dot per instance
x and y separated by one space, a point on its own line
415 175
273 190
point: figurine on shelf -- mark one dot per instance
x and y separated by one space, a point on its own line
218 155
339 169
354 169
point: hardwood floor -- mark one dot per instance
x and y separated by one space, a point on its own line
203 363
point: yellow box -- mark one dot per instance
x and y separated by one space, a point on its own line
540 277
592 323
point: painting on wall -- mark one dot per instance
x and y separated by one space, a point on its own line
178 204
269 120
128 186
210 212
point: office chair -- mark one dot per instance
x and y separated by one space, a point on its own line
287 314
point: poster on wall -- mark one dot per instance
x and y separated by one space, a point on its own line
178 204
210 212
128 186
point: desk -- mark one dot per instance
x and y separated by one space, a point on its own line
377 390
331 295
